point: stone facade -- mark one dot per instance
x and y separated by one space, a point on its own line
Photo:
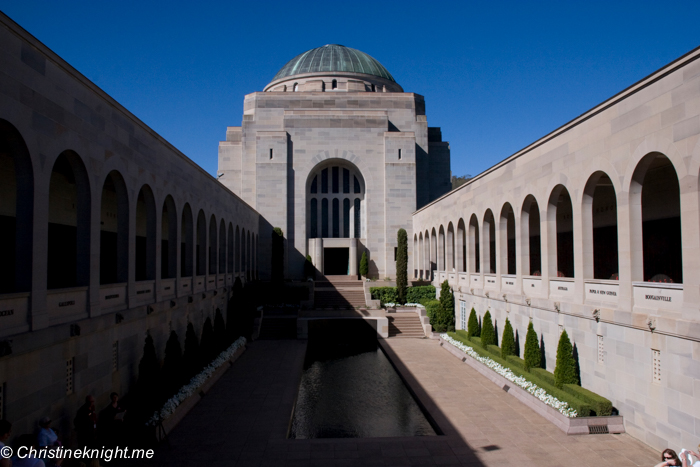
334 119
108 232
594 229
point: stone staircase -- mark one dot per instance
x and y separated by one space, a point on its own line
338 292
405 325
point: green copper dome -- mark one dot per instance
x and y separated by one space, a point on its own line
333 58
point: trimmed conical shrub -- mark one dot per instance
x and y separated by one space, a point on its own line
532 348
172 364
565 370
508 340
488 335
219 332
277 256
309 269
149 373
447 307
364 265
473 325
191 357
402 266
208 343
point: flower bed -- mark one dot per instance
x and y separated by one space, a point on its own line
412 305
532 388
550 407
198 382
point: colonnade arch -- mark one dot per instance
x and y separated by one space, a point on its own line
68 255
168 242
654 222
16 210
114 230
145 244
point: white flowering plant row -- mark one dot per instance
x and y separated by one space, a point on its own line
195 383
530 387
392 305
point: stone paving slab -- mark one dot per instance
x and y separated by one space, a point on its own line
243 420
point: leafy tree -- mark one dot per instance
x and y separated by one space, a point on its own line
508 340
565 370
532 348
460 180
277 253
172 364
488 334
473 325
191 357
309 269
364 266
402 266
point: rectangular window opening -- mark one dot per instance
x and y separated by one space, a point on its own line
69 376
656 365
115 356
399 154
270 153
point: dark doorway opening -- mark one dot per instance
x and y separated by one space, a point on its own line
335 261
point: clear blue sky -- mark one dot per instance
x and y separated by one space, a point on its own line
496 75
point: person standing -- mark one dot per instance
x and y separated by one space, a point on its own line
110 421
5 432
86 422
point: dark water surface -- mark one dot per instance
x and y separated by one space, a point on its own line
349 389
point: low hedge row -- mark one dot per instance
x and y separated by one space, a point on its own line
413 294
585 402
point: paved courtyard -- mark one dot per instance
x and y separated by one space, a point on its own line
243 420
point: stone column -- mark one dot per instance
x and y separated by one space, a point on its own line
353 257
319 255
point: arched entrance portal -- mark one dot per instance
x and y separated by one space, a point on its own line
335 216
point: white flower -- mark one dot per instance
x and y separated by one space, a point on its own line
392 305
195 383
530 387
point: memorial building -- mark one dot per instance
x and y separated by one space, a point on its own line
109 233
335 153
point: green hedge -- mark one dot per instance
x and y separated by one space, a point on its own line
586 403
601 405
495 350
417 294
384 294
516 362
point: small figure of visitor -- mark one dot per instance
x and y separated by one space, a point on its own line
86 422
5 432
110 422
669 457
47 436
687 457
22 447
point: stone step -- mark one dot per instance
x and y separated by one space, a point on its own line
407 325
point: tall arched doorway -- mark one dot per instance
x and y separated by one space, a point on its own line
335 216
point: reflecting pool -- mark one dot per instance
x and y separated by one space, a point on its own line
349 388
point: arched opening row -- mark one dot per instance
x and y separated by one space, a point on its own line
122 239
490 244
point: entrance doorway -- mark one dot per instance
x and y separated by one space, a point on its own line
335 261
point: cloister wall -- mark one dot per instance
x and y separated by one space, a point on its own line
638 339
114 180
